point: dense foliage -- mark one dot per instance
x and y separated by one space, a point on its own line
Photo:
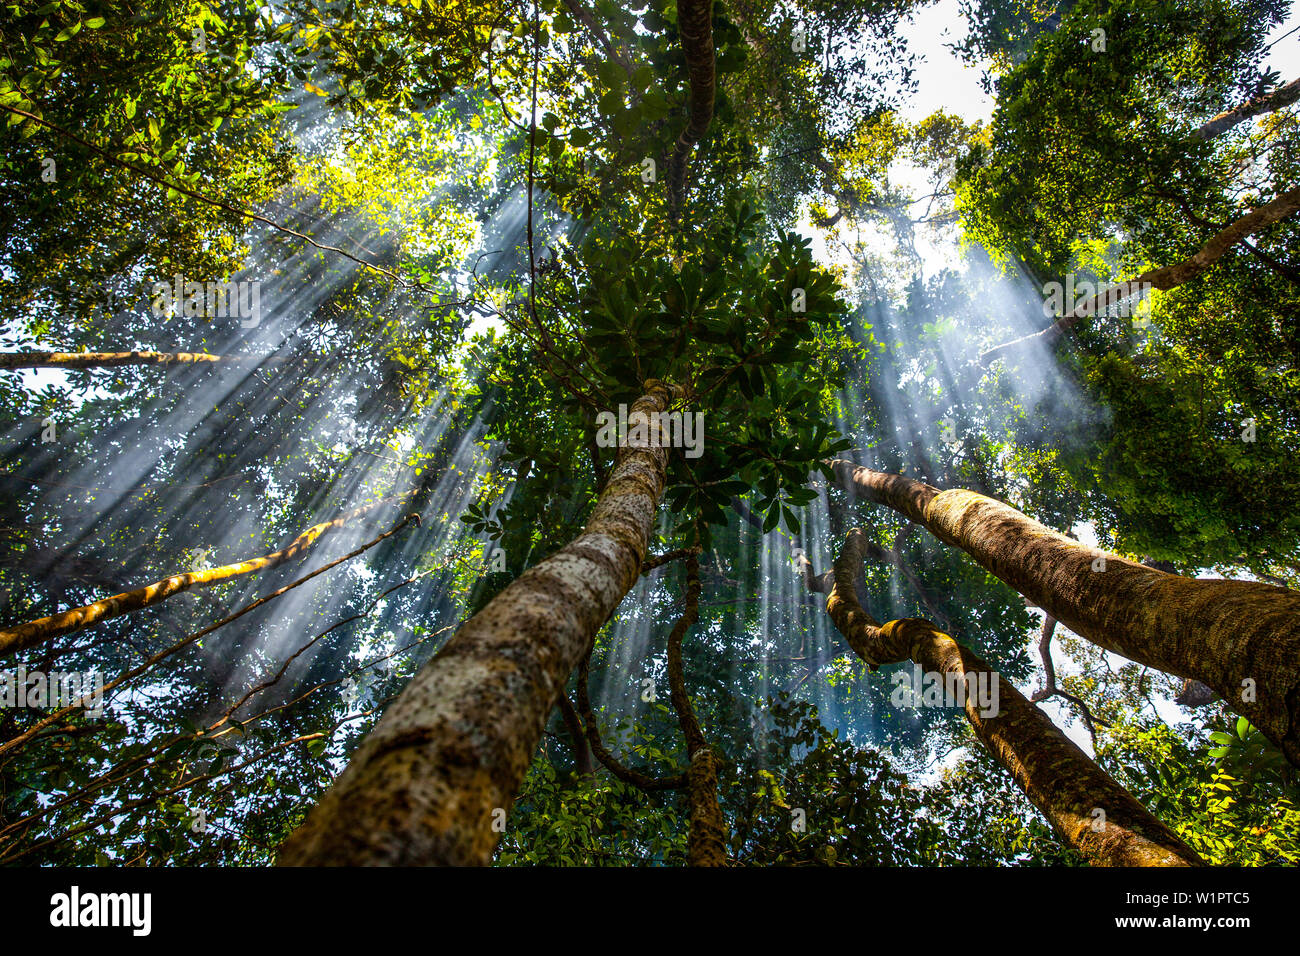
457 220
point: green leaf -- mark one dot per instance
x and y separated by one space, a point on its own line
611 75
773 517
611 103
791 521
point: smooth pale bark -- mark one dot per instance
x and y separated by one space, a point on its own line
1241 638
114 359
22 636
1059 778
432 783
1165 277
1282 96
695 26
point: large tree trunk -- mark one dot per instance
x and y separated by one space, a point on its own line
115 359
1092 812
22 636
1165 277
1242 638
433 781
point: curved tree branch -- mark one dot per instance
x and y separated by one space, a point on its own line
1268 103
114 359
22 636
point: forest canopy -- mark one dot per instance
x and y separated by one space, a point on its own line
682 432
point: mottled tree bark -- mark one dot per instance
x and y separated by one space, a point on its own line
22 636
115 359
707 842
1165 277
1241 638
695 25
1091 812
432 783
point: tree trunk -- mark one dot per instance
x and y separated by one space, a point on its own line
432 783
22 636
578 738
1242 638
114 359
707 841
695 25
1092 812
707 844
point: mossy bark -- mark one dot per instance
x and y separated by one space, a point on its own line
1241 638
433 781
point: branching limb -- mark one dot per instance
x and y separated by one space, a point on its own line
113 359
1165 277
626 774
1059 778
1281 97
22 636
